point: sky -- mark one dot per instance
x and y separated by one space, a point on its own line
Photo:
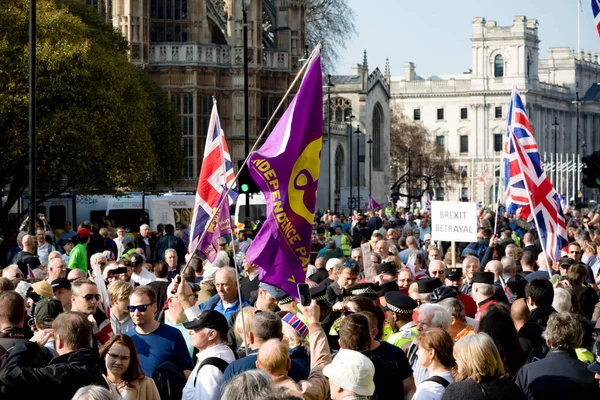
436 34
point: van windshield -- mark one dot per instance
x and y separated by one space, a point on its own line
129 218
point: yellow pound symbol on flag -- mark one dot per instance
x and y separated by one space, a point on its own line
305 175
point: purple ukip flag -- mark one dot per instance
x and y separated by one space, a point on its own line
373 205
286 168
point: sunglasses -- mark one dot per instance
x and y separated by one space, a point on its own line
140 308
438 272
90 297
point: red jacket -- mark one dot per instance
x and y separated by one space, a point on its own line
470 305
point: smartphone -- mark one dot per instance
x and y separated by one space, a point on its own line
304 294
120 270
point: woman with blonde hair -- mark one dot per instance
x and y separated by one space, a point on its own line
435 354
121 368
238 328
480 373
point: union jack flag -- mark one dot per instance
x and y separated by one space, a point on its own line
526 185
596 11
216 174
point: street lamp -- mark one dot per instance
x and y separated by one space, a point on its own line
409 151
348 120
328 86
32 115
576 182
245 4
358 132
370 143
555 126
420 176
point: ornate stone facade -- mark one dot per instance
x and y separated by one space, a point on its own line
193 49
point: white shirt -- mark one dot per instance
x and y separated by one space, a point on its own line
144 277
44 251
432 390
208 383
120 247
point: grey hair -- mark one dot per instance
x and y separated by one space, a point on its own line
455 307
509 264
93 392
170 251
564 331
248 385
440 319
562 300
221 260
485 288
94 258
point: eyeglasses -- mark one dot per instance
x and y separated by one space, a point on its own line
19 275
140 308
101 263
121 358
438 272
90 297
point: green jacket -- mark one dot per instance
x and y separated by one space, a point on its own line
78 257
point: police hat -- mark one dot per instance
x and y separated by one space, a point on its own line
386 268
454 274
361 289
400 303
483 277
428 285
319 293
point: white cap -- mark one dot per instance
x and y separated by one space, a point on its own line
352 371
332 263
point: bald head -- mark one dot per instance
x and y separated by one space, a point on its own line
13 274
411 242
75 274
519 312
528 239
496 268
543 261
274 357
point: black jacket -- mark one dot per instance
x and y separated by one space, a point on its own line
170 241
60 379
530 334
497 389
560 375
587 298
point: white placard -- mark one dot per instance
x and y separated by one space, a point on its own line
454 221
369 269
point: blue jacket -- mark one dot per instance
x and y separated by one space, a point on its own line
215 303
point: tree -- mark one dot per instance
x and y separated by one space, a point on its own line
330 22
436 168
102 125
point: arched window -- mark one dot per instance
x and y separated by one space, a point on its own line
498 66
377 139
340 109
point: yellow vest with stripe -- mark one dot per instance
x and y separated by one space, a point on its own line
402 337
345 241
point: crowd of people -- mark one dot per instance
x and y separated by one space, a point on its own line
96 313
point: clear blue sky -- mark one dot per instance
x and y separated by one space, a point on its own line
436 34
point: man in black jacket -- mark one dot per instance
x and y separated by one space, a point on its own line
169 241
12 320
539 295
77 364
560 374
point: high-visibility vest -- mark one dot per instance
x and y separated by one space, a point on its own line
345 241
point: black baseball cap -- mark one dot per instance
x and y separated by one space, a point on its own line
61 283
208 319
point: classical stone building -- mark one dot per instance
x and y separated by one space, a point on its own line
193 49
466 113
347 173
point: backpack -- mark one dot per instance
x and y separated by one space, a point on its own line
170 381
438 379
214 361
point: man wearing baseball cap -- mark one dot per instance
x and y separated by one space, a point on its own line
141 276
209 335
79 255
350 375
61 288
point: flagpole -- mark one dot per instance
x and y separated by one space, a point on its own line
229 187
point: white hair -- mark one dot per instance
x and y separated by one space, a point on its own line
440 317
93 392
221 260
9 269
484 288
95 257
509 264
562 300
